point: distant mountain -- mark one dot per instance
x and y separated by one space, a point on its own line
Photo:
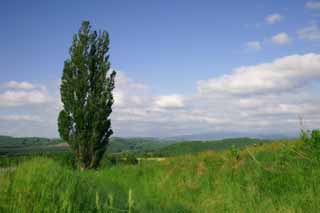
191 147
25 145
225 135
153 146
118 144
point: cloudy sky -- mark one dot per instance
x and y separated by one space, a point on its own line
184 67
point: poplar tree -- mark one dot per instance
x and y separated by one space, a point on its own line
86 93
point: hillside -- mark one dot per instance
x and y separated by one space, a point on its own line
140 146
191 147
118 144
223 134
26 145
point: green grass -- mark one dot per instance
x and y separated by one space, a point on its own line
277 177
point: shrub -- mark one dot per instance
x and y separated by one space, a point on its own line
234 152
131 159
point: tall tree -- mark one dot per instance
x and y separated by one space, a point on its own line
86 94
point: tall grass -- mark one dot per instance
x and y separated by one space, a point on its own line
278 177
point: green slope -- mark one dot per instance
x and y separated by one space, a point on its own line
26 145
136 144
146 147
200 146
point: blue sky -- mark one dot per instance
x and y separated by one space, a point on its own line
164 46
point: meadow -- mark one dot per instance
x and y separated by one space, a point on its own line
268 177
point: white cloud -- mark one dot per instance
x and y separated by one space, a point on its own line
311 32
126 90
281 75
264 98
29 111
273 18
249 103
19 98
122 80
16 93
19 118
118 97
19 85
313 5
253 45
281 38
169 101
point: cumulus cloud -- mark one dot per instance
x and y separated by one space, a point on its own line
280 38
169 101
19 98
22 93
281 75
126 91
315 5
311 32
265 98
253 45
19 85
29 110
273 18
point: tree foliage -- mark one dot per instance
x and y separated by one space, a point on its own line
86 94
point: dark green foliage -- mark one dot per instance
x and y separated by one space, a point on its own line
113 160
119 159
311 138
234 152
311 141
86 94
131 159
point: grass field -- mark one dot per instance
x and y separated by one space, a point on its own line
273 177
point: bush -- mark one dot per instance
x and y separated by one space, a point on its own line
234 152
113 160
131 159
311 138
311 141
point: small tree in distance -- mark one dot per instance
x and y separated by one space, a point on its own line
86 94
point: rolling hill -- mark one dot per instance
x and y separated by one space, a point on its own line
26 145
200 146
147 147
